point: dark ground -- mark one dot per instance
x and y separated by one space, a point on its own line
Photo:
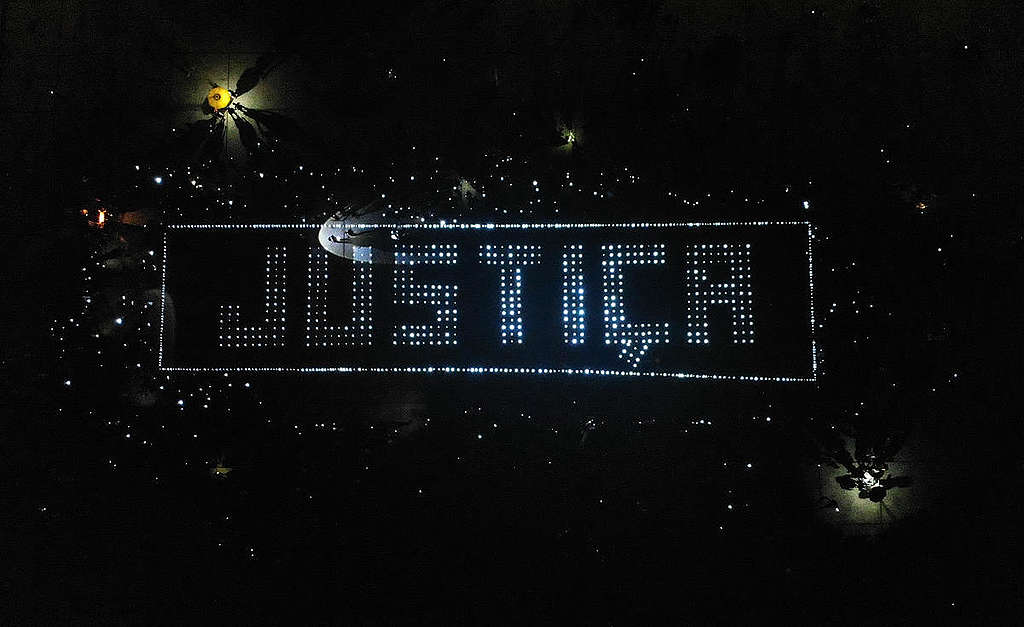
866 110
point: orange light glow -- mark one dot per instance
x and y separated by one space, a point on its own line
102 218
218 98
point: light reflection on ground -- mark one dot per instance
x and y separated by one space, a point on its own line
856 516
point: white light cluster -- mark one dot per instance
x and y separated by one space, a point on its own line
359 332
444 297
574 319
635 338
243 227
163 307
559 225
510 259
487 226
490 370
449 299
810 288
734 292
233 334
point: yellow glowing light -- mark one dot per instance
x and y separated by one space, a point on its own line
218 98
102 218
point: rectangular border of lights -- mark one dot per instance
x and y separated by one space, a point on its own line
444 225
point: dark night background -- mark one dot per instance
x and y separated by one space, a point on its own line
893 126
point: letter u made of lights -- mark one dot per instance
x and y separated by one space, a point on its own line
359 331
